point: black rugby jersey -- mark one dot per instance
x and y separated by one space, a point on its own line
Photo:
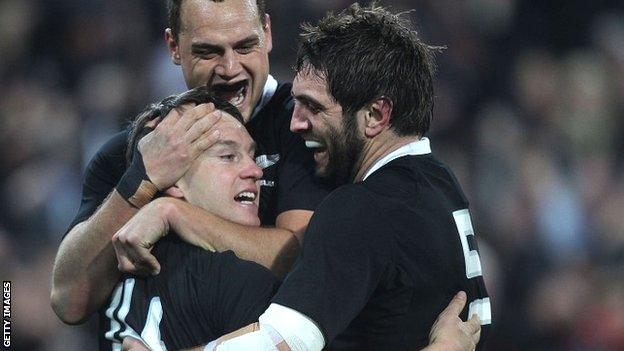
381 258
197 297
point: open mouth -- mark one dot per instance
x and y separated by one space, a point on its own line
312 144
246 197
318 148
233 93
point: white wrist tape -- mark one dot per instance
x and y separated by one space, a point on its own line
211 346
300 332
258 340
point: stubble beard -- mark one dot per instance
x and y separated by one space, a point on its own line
344 152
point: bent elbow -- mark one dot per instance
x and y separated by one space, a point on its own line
68 311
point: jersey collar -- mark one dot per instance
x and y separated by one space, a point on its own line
267 93
419 147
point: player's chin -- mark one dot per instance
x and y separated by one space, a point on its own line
252 221
248 215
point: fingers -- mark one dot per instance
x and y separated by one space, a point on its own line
191 116
202 126
476 336
206 141
134 258
140 262
143 260
473 325
457 304
172 118
152 123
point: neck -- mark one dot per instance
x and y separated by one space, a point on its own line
378 147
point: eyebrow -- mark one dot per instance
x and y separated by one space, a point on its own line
207 46
308 100
235 144
250 39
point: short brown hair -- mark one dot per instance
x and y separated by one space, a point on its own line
366 53
174 9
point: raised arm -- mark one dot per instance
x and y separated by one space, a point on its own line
85 268
275 248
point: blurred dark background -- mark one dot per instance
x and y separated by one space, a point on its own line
530 100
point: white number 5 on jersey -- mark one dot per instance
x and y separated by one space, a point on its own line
481 307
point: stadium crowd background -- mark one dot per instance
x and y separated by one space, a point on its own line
530 100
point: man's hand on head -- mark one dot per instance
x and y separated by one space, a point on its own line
134 241
177 141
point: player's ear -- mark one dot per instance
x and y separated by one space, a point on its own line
267 32
172 45
377 116
174 191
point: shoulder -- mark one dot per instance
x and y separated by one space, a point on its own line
350 221
282 97
115 146
110 157
117 142
280 106
349 206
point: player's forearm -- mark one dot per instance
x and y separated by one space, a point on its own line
274 248
448 346
85 269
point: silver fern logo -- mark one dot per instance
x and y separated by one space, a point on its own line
266 161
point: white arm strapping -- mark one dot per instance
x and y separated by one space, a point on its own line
299 331
278 323
258 340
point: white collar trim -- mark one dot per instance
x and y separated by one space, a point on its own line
419 147
267 93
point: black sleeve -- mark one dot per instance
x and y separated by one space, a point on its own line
298 187
102 174
341 263
240 291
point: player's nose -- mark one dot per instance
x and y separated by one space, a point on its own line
299 122
229 65
251 170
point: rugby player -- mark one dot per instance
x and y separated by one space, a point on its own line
383 254
200 295
224 45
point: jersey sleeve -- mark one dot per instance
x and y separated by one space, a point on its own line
234 292
298 187
341 263
102 174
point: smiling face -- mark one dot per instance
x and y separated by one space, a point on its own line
223 44
224 179
333 135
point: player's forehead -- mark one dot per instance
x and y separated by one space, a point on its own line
207 18
312 84
233 133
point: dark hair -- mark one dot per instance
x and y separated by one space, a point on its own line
366 53
174 9
199 95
